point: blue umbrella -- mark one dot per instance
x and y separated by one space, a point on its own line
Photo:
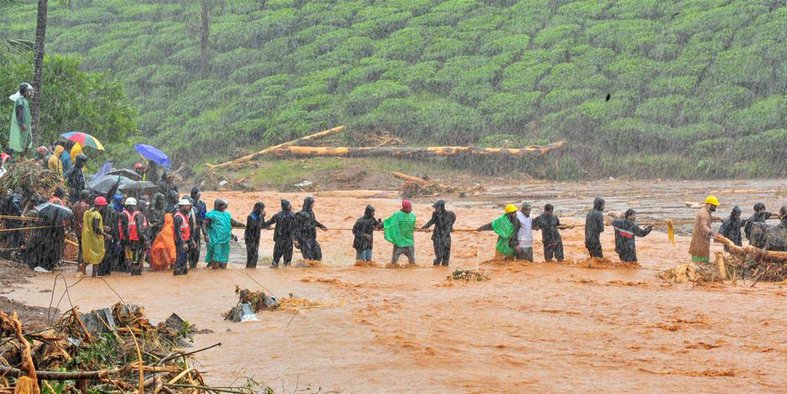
153 154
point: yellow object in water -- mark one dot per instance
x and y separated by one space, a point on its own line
671 231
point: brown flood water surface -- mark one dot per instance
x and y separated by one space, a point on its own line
532 327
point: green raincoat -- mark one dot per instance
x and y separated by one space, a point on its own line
220 233
19 140
504 230
399 229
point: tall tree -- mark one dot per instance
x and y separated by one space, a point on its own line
38 60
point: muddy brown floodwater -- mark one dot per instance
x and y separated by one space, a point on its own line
532 327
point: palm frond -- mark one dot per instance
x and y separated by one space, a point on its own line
11 48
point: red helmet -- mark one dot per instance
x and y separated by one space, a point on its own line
100 201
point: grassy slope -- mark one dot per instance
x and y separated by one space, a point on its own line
695 86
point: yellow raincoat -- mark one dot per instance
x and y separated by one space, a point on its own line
54 163
76 150
92 244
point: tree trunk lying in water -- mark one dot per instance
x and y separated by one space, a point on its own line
410 152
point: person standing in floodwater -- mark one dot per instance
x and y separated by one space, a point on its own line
183 234
398 230
594 226
251 236
363 233
702 234
524 248
443 221
282 234
626 230
548 223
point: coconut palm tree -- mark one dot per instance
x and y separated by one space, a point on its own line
10 48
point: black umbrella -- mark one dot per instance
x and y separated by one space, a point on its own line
139 185
54 212
104 184
130 174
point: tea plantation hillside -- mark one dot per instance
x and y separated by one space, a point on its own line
669 88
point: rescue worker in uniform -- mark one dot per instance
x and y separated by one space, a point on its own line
133 235
306 231
184 231
626 230
443 221
282 234
594 226
93 237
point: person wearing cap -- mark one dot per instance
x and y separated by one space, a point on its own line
132 228
398 230
217 228
76 179
594 226
93 237
184 232
506 227
702 234
731 227
363 234
443 221
21 131
198 211
282 234
524 248
548 223
760 215
626 230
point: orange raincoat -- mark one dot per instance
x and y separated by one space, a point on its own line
163 252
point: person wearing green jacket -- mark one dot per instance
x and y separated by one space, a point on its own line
506 227
398 230
21 132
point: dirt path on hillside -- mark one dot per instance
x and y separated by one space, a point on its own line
531 327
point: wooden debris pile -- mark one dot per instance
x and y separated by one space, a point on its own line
468 276
751 263
111 350
29 177
425 187
250 302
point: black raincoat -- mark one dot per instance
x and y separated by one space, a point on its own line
443 222
306 231
75 179
594 226
155 216
251 236
626 232
550 236
731 228
758 217
363 230
282 233
776 237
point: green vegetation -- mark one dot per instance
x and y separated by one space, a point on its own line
75 100
669 88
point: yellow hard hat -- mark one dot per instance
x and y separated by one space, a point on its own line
712 200
510 208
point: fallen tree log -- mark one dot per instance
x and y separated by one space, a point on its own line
271 149
412 152
749 250
409 178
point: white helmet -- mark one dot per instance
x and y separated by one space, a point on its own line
131 201
184 202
